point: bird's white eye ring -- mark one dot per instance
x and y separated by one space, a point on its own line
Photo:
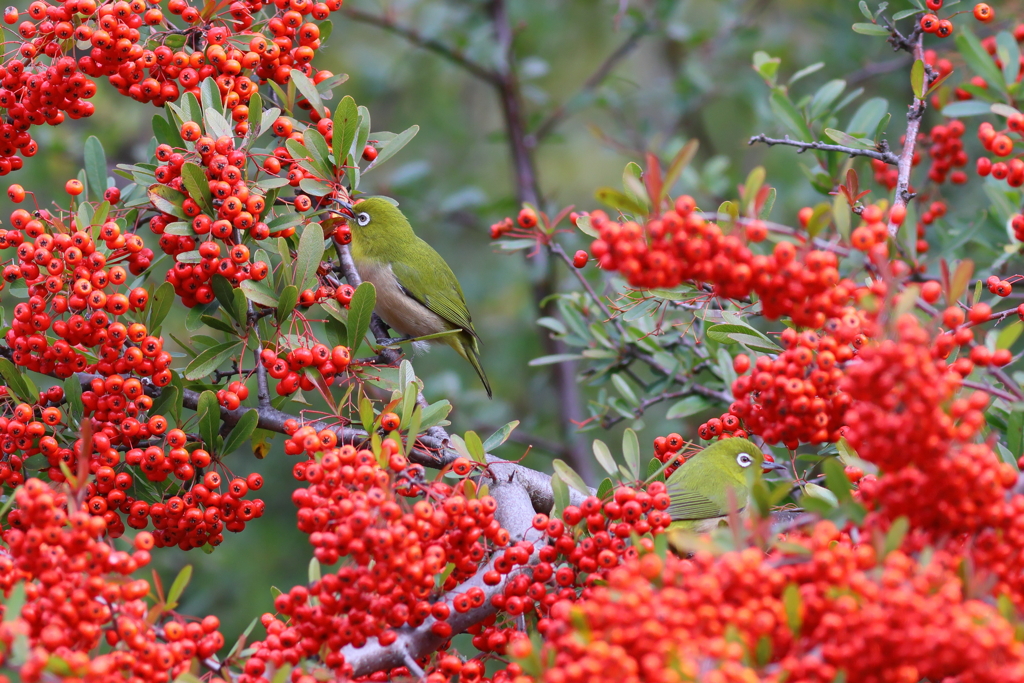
744 460
363 218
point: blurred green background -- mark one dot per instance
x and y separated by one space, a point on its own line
688 77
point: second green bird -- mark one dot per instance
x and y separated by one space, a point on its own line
719 478
417 293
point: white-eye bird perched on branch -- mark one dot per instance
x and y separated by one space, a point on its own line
417 293
718 479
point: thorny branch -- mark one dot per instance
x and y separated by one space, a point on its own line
881 154
914 43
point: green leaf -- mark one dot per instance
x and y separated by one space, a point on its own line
1009 54
475 447
210 359
691 405
167 200
178 587
560 494
604 457
392 146
169 401
627 393
825 97
16 381
790 117
1009 334
631 452
755 180
209 95
730 333
286 303
208 412
792 601
966 108
618 201
766 66
841 138
307 90
95 168
360 309
905 13
241 431
216 125
346 122
198 186
1015 433
865 120
319 153
897 532
917 79
821 493
159 306
225 294
806 71
310 253
837 481
436 414
871 29
978 59
258 292
679 162
255 115
73 395
569 476
499 437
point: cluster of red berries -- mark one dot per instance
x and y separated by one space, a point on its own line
727 619
23 433
681 245
943 28
78 595
397 553
795 397
934 475
237 209
141 64
294 370
1000 144
674 450
947 153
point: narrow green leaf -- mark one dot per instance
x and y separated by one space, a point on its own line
208 412
209 360
604 457
286 303
15 380
626 391
346 121
825 97
241 431
870 29
319 153
307 90
560 493
569 476
393 146
476 447
216 125
95 168
159 306
978 58
308 257
1015 433
360 309
198 186
681 160
225 294
917 79
73 395
837 481
258 292
631 452
691 405
793 603
897 532
966 108
865 120
847 140
790 116
501 436
178 587
167 199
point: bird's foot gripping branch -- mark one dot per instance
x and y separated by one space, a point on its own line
851 510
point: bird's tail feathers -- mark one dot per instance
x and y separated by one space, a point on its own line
468 348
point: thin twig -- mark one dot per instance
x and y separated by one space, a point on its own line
882 154
416 38
915 44
647 403
262 384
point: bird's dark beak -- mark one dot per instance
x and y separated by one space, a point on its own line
770 465
345 207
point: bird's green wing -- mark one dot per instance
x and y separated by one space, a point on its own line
688 503
428 279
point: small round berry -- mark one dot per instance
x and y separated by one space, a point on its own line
580 259
983 12
16 193
929 23
74 187
369 153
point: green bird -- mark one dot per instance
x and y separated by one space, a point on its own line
718 479
417 293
